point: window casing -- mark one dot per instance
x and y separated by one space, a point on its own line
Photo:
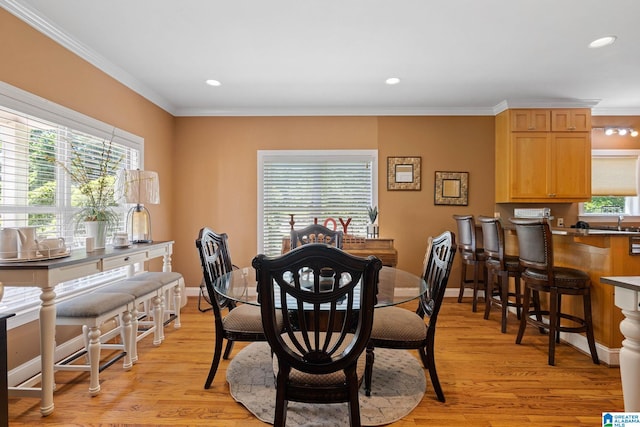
35 136
310 184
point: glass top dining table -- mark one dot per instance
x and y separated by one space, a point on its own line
394 286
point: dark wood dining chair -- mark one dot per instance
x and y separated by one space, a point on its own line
399 328
500 267
316 233
326 297
470 256
539 274
242 322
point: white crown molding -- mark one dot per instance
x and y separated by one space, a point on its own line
41 24
544 103
615 112
337 111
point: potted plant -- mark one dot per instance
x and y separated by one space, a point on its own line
96 194
372 228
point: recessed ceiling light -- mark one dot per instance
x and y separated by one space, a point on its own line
392 81
603 41
212 82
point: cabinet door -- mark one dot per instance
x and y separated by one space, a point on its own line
571 120
531 120
530 165
571 166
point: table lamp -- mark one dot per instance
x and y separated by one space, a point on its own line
140 187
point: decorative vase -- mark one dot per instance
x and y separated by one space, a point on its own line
373 231
97 230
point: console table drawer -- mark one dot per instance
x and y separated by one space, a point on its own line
122 261
71 272
157 252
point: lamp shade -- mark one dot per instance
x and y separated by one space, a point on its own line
140 187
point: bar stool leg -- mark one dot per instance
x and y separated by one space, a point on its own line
589 323
525 313
463 278
554 319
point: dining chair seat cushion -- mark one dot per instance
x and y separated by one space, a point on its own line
565 277
137 288
334 378
386 321
245 318
92 305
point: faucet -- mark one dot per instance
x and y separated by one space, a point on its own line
620 219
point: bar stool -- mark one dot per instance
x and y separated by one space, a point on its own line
90 311
470 256
536 258
499 266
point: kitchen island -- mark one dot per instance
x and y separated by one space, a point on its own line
599 253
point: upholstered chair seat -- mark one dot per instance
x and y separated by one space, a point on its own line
387 320
245 318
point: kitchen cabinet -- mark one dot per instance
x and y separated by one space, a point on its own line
571 120
531 120
544 166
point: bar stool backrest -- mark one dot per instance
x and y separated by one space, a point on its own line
535 244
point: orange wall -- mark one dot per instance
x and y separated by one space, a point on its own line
35 63
217 160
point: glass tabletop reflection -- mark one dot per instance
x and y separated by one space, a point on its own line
394 286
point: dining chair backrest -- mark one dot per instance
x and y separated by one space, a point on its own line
316 233
300 279
215 261
437 268
466 236
535 245
493 239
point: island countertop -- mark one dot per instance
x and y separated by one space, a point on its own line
628 282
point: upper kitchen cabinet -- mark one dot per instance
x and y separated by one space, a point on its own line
543 166
530 120
571 120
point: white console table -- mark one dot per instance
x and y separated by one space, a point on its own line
47 274
627 297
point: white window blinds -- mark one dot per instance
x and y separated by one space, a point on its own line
34 189
311 184
614 175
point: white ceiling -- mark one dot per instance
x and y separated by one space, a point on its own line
331 57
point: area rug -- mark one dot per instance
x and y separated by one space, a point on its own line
398 386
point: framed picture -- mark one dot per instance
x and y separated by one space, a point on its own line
403 173
452 188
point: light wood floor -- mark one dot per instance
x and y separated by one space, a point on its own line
487 380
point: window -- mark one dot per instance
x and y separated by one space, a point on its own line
310 184
614 184
35 137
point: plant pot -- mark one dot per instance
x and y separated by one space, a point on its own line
373 231
97 230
